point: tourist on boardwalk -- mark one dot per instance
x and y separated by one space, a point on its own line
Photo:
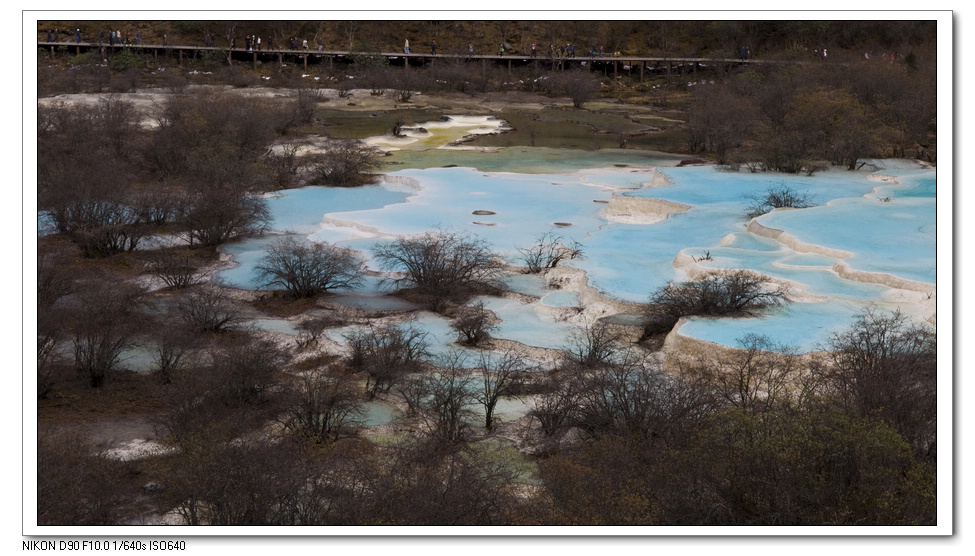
111 38
534 49
470 48
406 47
320 45
433 48
77 36
48 35
501 50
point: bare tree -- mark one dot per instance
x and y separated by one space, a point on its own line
350 28
306 269
580 86
174 351
217 215
387 353
75 485
449 394
208 308
758 377
159 206
407 85
556 406
500 376
301 108
311 328
885 363
733 293
593 345
54 276
473 324
286 158
174 267
89 203
778 197
442 265
549 250
345 163
118 121
322 405
50 333
103 321
246 368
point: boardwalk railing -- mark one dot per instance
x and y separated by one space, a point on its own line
655 64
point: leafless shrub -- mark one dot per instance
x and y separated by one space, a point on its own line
103 320
300 109
174 267
778 197
473 324
886 364
76 486
322 405
306 269
556 406
441 265
733 293
344 163
759 376
208 308
311 329
593 345
217 215
387 353
173 351
448 396
549 250
501 375
247 367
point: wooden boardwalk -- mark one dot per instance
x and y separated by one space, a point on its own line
304 57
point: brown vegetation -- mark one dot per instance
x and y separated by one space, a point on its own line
258 431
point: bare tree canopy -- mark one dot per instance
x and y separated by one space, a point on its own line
442 264
306 269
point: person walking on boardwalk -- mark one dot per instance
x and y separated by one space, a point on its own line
501 50
433 48
406 47
77 36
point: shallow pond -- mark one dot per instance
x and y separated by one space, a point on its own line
880 222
